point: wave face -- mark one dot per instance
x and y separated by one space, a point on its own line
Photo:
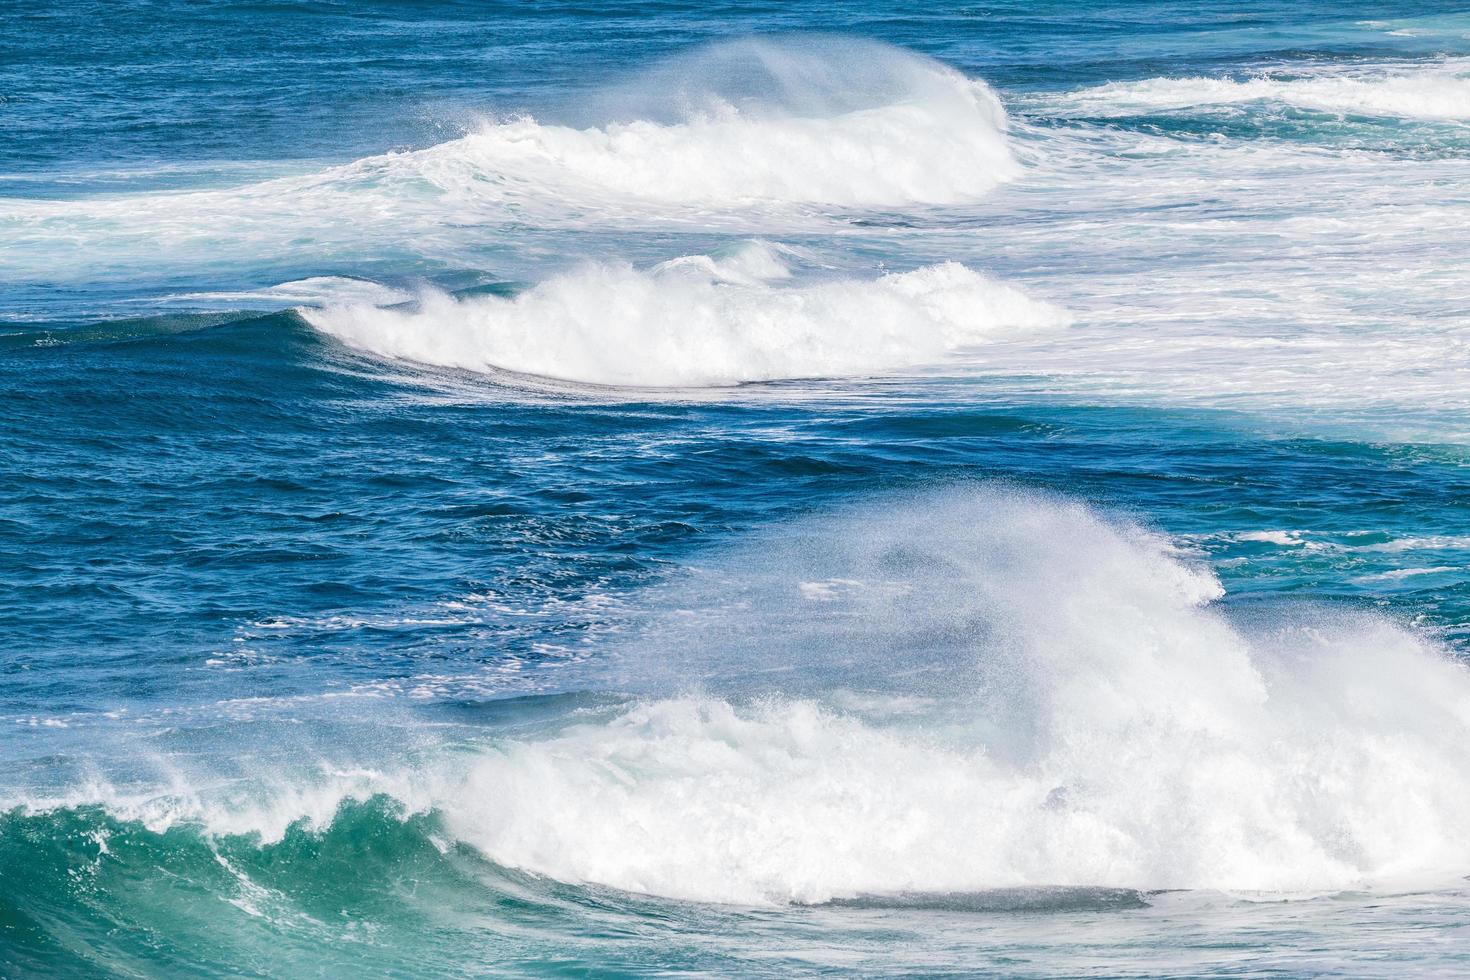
1440 94
697 321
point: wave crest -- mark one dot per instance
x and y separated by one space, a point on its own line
815 121
768 129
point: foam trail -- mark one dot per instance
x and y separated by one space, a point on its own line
698 321
1440 94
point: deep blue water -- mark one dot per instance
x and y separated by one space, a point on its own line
737 488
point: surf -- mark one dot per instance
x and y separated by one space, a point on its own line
944 693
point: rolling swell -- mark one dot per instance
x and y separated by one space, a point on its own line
85 894
19 336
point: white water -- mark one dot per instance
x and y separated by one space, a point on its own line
964 691
1440 93
316 290
1319 287
1311 285
698 321
939 139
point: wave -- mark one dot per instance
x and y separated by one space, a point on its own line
86 894
698 321
948 695
817 121
1440 94
779 127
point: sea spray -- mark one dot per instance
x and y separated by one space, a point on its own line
995 690
795 137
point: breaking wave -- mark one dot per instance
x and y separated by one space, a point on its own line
950 694
821 121
698 321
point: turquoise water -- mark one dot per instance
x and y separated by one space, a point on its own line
734 489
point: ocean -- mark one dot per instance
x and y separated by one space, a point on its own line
737 488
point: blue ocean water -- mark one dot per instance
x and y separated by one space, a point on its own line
740 488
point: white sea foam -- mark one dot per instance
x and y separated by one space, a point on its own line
1086 714
1441 92
1287 539
699 320
1305 281
1438 542
1400 574
1316 287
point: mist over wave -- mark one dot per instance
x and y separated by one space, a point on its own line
698 320
810 120
1013 691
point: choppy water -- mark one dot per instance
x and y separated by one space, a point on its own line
741 489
